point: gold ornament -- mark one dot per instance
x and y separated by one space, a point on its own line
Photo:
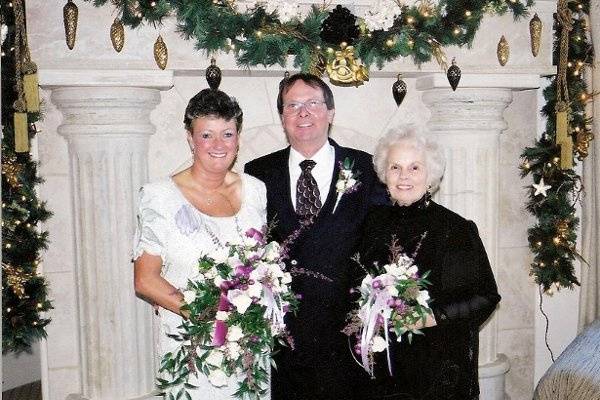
563 137
503 51
582 143
161 54
439 55
535 34
345 70
70 15
30 86
117 35
11 170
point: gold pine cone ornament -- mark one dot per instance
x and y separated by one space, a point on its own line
503 51
117 35
70 16
535 34
161 54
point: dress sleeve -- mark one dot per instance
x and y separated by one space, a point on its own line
151 228
484 297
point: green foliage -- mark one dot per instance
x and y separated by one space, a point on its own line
553 237
259 38
24 292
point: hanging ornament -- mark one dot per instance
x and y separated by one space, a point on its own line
339 26
318 64
439 55
213 75
133 8
161 54
345 70
399 90
582 143
453 74
30 86
286 76
563 138
21 131
535 34
503 51
70 15
117 35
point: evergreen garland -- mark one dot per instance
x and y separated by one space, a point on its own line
553 237
257 37
24 292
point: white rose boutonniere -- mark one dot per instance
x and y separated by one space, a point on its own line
347 180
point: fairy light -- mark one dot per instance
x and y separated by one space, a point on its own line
569 64
17 222
456 31
526 165
259 34
467 13
318 47
23 198
576 72
556 160
583 96
410 20
549 165
330 50
39 305
411 43
577 129
580 63
542 264
389 42
580 6
28 225
8 309
556 240
153 4
538 244
8 245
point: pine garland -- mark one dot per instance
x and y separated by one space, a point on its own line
24 292
257 37
553 237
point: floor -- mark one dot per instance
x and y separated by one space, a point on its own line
31 391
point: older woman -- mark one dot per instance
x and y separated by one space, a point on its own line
192 212
442 363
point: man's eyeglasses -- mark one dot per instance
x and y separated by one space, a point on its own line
312 106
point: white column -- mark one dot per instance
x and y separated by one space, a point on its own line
106 121
468 123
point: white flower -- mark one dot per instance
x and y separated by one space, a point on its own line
215 358
189 296
222 316
234 333
378 344
272 251
412 270
340 186
392 291
220 255
286 9
217 378
365 286
255 290
239 299
234 350
423 297
395 270
287 278
381 15
250 241
218 281
211 273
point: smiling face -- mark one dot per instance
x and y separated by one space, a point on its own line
407 175
214 142
306 131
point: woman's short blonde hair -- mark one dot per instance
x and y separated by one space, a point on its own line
434 158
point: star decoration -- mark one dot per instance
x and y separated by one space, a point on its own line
541 188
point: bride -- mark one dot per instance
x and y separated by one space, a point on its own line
190 214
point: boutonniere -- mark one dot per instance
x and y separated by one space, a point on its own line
347 180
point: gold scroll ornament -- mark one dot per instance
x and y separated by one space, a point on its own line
345 70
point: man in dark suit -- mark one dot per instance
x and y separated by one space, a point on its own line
327 189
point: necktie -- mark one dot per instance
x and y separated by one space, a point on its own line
308 199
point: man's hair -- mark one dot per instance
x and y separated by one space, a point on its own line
312 81
213 103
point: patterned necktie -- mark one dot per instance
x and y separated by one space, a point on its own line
308 199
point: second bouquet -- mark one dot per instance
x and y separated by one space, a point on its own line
236 307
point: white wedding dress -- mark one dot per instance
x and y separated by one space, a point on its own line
170 227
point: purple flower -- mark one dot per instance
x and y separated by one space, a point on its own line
256 235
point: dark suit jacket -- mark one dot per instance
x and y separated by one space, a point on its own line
324 248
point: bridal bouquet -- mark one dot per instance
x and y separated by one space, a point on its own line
236 306
393 299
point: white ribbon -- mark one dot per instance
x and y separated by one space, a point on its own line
376 305
274 310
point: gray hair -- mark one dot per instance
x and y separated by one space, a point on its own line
434 157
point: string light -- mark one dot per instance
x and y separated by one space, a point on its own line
456 31
556 160
259 34
410 19
8 309
583 96
330 50
153 4
538 244
39 305
8 245
556 240
389 42
467 13
577 129
569 64
542 264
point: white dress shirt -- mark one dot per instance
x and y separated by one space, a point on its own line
322 171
